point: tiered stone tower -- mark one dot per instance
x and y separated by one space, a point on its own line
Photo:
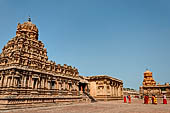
148 79
25 70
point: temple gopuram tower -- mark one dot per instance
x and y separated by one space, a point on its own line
148 79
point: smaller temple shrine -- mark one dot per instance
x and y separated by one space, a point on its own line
103 87
151 88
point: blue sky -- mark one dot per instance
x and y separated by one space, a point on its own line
120 38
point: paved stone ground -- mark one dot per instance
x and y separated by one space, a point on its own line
136 106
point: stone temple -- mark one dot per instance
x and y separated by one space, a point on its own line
151 88
28 76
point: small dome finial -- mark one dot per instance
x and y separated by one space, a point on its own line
29 19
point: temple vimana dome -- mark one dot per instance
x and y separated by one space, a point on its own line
28 76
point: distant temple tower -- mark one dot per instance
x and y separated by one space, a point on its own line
151 88
148 79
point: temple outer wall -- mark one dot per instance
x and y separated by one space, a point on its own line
157 90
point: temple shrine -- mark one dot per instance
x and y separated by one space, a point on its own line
151 88
103 87
28 76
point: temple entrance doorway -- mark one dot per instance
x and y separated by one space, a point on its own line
83 87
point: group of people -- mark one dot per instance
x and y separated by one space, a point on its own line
154 99
128 98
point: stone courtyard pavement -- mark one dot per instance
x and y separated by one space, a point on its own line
136 106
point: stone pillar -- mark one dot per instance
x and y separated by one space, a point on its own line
105 89
30 81
73 86
118 92
49 84
113 90
36 85
5 81
46 83
42 83
64 85
68 86
15 82
1 81
8 81
57 85
23 81
39 82
12 81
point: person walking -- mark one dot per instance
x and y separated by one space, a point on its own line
125 99
154 100
164 99
146 99
129 98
